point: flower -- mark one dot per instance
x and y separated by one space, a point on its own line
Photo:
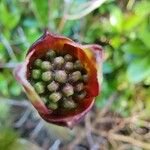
61 78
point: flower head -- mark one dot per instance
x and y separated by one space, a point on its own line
61 78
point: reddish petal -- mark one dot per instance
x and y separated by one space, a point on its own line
95 54
48 41
78 52
20 75
72 118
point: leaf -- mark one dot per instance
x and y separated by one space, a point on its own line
142 8
3 85
147 81
84 9
9 18
32 34
8 138
3 54
137 16
117 58
4 109
116 41
30 23
15 88
108 67
131 21
134 47
138 69
108 88
116 18
144 33
40 10
94 31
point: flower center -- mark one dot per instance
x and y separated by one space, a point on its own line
60 80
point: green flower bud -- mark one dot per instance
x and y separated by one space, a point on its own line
53 86
56 96
59 61
39 87
68 57
52 105
69 66
85 78
81 95
68 90
78 65
46 65
79 87
51 54
36 74
69 104
38 62
60 76
75 76
47 76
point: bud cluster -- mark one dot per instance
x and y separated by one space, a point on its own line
60 80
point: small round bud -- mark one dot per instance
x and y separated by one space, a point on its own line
68 57
46 65
75 76
69 104
51 54
52 105
68 90
79 87
53 86
59 61
44 99
78 65
47 76
36 74
56 96
37 62
60 76
39 87
81 95
69 66
85 78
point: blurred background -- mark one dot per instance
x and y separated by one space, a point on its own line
120 119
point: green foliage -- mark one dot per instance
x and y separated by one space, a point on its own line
116 18
123 31
4 109
8 138
139 69
40 11
3 85
127 64
7 14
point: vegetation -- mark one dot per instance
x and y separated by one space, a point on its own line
121 27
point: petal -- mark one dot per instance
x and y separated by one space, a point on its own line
70 119
78 52
48 41
20 75
95 53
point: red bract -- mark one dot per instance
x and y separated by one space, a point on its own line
89 55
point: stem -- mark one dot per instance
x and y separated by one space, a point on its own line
86 11
8 47
23 37
10 65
